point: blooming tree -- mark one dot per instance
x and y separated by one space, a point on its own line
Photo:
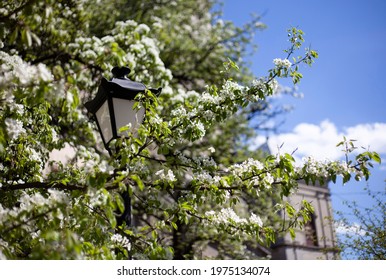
190 176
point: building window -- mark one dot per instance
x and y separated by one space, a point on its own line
310 232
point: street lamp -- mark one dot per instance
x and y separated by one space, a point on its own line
113 108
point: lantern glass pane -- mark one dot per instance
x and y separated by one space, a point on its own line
104 121
125 114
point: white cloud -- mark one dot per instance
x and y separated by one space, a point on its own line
320 140
346 229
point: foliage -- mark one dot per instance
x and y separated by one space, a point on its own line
191 179
365 239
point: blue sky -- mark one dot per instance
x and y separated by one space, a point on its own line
344 91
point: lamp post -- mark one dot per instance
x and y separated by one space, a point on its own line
112 108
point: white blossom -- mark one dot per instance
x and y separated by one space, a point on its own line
256 220
34 155
58 196
211 99
200 128
324 168
269 179
205 177
282 63
157 25
121 241
156 120
69 97
30 202
228 216
247 166
97 198
142 29
89 54
17 108
14 67
14 128
179 112
184 160
208 162
315 167
225 216
167 177
43 73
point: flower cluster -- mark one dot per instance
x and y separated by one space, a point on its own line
181 95
246 167
325 169
214 105
169 177
141 53
29 203
13 68
199 162
262 87
121 241
255 220
227 216
206 178
98 198
317 168
14 128
282 63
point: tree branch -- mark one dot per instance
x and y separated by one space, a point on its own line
43 185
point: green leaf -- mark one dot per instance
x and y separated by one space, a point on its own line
340 143
70 79
346 177
111 217
292 233
29 38
375 157
314 54
36 39
174 225
290 157
290 210
14 35
120 203
138 180
187 206
308 206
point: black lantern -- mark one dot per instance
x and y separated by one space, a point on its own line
112 107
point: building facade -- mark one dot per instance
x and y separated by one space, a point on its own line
317 240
